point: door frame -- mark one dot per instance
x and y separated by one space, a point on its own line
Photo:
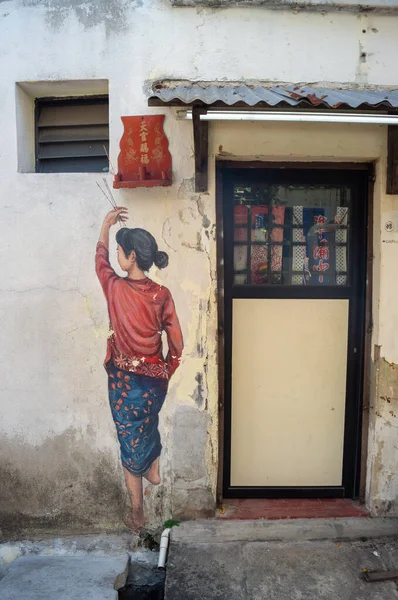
357 470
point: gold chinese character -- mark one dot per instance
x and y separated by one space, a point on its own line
157 154
144 159
131 155
144 147
143 136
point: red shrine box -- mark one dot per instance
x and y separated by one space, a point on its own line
144 159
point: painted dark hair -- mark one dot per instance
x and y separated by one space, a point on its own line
145 247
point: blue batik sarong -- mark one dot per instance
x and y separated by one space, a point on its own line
135 402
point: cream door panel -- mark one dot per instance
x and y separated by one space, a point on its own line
289 362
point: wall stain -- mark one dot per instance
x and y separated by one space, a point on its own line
114 14
200 332
206 221
361 74
65 485
387 399
199 394
384 475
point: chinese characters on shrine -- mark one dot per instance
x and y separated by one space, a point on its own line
144 149
144 159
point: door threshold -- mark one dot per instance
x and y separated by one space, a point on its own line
221 531
292 508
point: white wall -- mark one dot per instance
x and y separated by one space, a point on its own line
59 448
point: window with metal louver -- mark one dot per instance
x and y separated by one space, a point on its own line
72 135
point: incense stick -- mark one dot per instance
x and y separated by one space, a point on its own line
111 195
109 191
109 161
109 200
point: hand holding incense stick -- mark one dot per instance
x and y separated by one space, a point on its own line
109 195
111 199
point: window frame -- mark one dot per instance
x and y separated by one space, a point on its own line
269 244
67 101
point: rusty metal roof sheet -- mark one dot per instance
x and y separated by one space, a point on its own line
251 95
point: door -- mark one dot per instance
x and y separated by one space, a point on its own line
294 254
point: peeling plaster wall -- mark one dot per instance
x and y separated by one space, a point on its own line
59 454
389 6
382 490
383 480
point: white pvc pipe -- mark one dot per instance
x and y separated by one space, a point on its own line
164 544
312 117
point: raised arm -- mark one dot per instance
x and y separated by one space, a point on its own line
103 268
118 214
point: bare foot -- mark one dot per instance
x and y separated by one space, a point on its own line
153 475
134 519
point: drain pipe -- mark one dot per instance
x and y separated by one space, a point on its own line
164 544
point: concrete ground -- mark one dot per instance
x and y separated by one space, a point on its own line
300 559
74 545
296 560
62 578
70 568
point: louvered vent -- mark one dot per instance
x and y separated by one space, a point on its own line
71 135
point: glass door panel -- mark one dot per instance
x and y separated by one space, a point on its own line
291 234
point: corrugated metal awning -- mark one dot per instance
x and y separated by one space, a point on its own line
345 104
219 94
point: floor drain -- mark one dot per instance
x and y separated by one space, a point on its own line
144 582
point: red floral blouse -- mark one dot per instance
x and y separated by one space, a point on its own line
139 310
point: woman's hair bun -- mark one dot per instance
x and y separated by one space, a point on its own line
161 259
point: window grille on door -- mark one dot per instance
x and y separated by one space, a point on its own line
291 234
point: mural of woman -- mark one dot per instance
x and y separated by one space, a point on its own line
138 374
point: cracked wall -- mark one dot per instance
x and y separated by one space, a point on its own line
60 450
382 484
385 6
383 456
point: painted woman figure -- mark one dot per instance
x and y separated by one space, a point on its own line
138 374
